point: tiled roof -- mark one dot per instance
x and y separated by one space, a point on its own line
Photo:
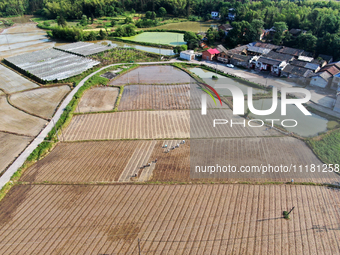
290 51
325 57
312 66
269 61
295 70
241 57
323 75
278 56
258 49
330 69
266 45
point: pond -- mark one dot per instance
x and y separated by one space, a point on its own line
218 83
173 39
186 26
307 125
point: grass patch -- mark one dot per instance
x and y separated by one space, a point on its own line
124 55
327 147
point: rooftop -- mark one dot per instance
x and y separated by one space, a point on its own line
269 61
266 45
323 75
295 70
241 57
330 69
213 51
278 56
258 49
290 51
325 57
305 58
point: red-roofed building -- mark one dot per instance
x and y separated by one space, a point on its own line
209 54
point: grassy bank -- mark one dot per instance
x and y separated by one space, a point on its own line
327 147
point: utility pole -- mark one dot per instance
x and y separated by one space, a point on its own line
55 129
138 246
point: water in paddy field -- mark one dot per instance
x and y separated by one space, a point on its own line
173 39
222 80
307 125
161 51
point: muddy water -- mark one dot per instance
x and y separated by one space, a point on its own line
139 47
307 125
219 84
158 37
23 38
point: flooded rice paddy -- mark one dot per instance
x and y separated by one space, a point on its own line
219 83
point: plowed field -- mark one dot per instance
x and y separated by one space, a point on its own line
42 102
98 99
153 75
175 219
163 97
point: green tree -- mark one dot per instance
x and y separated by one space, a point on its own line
113 23
279 27
128 20
91 36
102 34
83 20
162 12
61 21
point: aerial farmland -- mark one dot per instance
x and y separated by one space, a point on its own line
140 128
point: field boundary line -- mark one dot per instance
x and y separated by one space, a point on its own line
22 110
6 177
21 159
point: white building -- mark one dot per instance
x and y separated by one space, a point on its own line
215 15
187 55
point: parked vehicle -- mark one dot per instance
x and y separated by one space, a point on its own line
230 65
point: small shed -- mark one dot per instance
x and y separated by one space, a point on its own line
187 55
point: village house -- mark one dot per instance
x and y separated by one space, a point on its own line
242 60
226 28
210 54
273 62
292 71
223 56
187 55
296 32
215 15
231 14
313 67
327 58
257 51
336 83
320 79
290 51
266 45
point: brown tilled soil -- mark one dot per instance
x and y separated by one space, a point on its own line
98 99
153 75
42 102
16 121
11 147
83 162
172 219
